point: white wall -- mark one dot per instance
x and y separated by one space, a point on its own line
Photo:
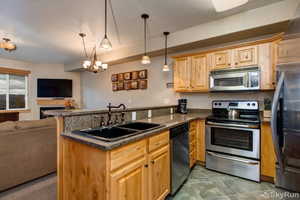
97 90
42 71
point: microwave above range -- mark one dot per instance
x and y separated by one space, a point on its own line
237 79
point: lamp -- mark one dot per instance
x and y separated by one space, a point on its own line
145 59
166 67
105 43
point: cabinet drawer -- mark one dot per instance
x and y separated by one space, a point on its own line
193 125
123 155
158 140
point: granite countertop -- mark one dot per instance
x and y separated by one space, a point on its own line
169 121
76 112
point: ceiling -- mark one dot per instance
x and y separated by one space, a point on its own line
47 30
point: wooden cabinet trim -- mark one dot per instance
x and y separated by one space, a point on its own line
4 70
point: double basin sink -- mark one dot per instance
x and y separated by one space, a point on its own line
110 134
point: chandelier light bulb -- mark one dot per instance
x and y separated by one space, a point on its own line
86 64
98 63
166 68
96 67
146 60
106 44
104 66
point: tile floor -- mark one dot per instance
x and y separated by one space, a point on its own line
205 184
202 184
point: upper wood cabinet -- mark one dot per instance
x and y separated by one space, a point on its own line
245 56
191 74
289 51
182 73
199 73
220 59
267 63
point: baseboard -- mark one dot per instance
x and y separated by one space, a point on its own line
267 179
200 163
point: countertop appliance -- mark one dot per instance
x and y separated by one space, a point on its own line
233 139
180 168
235 79
182 106
286 117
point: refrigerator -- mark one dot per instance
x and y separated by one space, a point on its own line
285 121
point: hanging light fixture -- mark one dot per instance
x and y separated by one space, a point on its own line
7 45
166 66
105 43
92 64
145 59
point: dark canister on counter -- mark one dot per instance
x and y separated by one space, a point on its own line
182 106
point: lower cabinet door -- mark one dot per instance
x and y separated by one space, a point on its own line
159 174
130 182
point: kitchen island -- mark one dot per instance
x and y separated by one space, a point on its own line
137 167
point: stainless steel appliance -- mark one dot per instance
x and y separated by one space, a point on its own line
233 139
182 106
179 156
238 79
286 119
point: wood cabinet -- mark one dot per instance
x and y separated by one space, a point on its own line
192 142
137 171
268 157
200 144
221 59
191 74
246 56
128 183
159 174
289 50
199 73
182 74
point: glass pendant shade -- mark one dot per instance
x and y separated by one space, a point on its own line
166 68
104 66
86 64
146 60
106 44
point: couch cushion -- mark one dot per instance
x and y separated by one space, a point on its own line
7 126
27 124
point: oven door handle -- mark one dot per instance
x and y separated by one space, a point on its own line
234 159
232 125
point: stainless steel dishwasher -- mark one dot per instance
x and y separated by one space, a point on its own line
180 169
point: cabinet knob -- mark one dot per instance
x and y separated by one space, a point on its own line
229 64
146 166
236 63
152 161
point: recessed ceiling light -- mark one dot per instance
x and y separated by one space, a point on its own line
223 5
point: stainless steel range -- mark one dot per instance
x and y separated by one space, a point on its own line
233 139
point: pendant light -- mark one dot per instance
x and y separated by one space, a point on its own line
145 59
92 64
166 67
105 43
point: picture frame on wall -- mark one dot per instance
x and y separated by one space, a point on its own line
114 77
134 75
127 76
143 84
127 85
121 85
115 86
121 77
134 85
143 74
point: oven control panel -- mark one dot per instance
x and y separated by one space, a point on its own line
246 105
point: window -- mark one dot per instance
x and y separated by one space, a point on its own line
13 92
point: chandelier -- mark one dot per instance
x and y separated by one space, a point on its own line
7 45
92 63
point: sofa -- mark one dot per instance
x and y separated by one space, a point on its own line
27 151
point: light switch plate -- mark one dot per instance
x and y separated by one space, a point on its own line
133 117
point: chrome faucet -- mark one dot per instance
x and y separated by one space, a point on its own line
109 121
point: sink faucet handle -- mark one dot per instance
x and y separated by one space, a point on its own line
122 116
116 119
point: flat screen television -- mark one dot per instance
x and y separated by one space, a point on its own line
55 88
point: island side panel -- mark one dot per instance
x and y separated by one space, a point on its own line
60 129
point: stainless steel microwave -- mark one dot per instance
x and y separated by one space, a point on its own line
238 79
